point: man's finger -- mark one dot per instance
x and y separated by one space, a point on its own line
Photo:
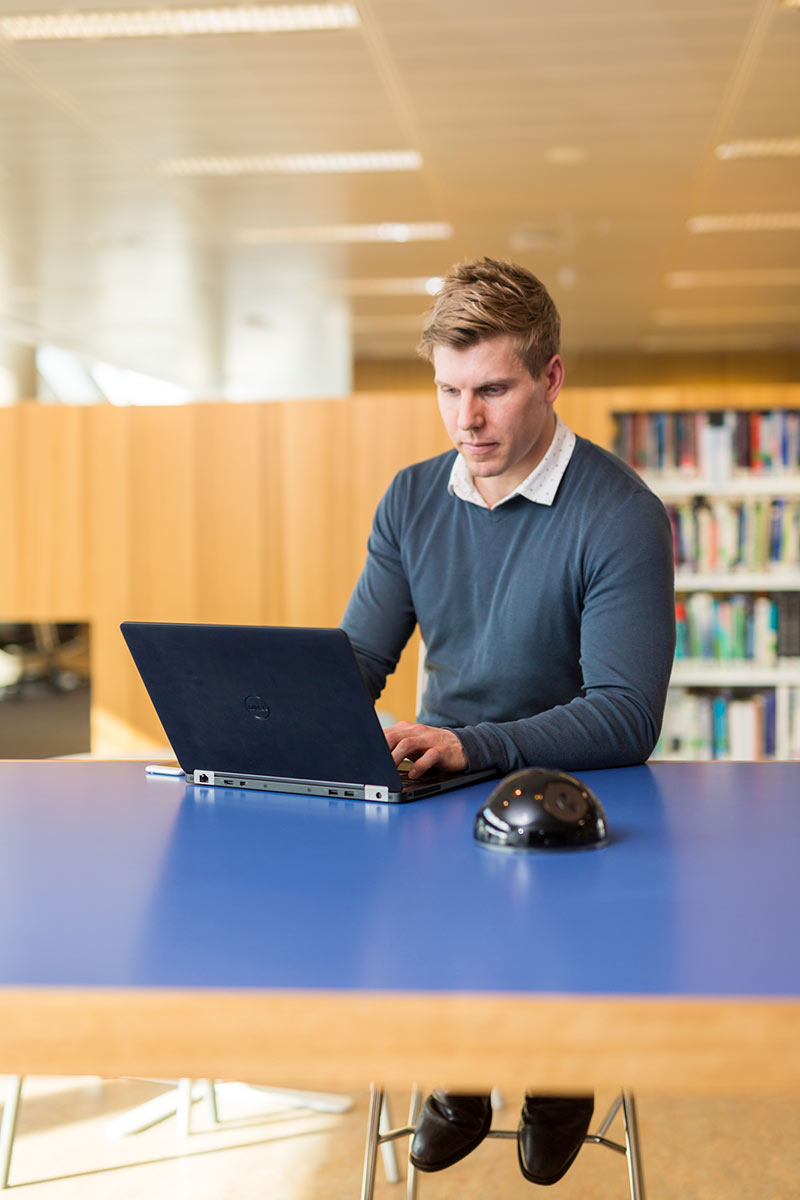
424 763
395 733
408 747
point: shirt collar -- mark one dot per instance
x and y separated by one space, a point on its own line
540 486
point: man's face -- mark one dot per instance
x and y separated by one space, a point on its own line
497 416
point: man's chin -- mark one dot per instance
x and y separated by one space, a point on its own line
485 470
483 465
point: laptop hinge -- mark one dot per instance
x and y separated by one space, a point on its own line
376 791
206 777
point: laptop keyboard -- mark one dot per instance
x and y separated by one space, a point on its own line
430 776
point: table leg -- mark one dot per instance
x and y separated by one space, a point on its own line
8 1127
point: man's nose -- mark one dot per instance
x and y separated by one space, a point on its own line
470 411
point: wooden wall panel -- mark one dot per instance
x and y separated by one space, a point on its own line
52 511
11 516
215 512
229 513
388 433
38 510
163 527
70 550
587 414
272 515
319 557
116 690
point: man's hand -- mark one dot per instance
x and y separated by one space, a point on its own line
427 745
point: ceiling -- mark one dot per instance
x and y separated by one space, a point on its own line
578 137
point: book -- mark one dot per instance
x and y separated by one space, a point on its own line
713 445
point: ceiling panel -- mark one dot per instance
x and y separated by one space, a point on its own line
577 136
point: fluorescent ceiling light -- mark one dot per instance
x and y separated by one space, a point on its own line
293 164
744 223
756 315
760 148
750 277
293 235
178 22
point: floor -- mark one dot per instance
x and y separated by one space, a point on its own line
698 1149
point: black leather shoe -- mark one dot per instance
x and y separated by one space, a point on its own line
450 1126
550 1134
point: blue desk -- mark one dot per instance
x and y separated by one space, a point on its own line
150 928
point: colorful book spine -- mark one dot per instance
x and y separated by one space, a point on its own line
738 628
736 535
711 445
730 724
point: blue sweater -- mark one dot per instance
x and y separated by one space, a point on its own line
550 630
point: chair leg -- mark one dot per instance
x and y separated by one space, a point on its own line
376 1095
609 1119
387 1148
633 1150
378 1121
413 1117
8 1127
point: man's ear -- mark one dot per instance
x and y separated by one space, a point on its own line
553 375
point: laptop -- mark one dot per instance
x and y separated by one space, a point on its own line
272 708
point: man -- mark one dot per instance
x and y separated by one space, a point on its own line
539 569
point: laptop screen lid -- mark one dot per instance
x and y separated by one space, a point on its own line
272 707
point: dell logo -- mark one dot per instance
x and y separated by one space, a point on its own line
257 708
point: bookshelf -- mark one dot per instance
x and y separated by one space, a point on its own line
730 480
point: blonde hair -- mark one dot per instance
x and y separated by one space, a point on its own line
486 298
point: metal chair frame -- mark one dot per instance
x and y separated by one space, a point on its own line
381 1136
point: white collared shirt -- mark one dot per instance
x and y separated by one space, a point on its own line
540 486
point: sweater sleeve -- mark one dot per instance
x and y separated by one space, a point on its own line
627 643
380 616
